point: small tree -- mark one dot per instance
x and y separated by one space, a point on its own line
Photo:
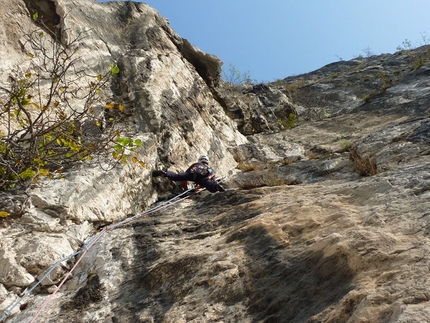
368 51
234 76
53 115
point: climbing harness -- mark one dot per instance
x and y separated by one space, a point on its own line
88 245
201 169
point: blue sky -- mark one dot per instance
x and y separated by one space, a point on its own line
273 39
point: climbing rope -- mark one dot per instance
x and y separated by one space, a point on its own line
87 247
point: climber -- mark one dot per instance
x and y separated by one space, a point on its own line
200 173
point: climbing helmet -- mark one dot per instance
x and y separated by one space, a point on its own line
204 159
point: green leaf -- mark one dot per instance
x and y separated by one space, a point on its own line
115 70
138 142
25 101
118 147
28 173
35 16
44 171
124 141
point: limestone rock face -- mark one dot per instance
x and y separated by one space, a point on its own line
164 87
325 218
257 108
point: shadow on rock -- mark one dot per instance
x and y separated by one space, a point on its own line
286 285
135 294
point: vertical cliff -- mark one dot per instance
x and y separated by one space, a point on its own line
325 217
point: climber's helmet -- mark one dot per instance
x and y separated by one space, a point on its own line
204 159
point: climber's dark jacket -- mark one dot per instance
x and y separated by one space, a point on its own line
200 174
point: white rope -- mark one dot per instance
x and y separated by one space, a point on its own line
10 308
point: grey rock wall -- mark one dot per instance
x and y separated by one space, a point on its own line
163 85
324 220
